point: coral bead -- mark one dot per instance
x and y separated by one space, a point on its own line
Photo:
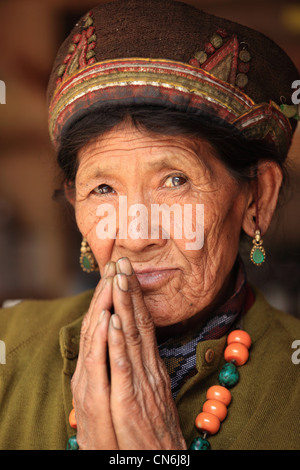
72 419
236 352
239 336
217 392
215 407
206 422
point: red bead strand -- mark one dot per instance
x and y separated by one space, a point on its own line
214 409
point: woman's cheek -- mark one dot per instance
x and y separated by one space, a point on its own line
88 222
102 250
86 217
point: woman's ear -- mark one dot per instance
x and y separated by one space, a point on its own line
263 197
70 192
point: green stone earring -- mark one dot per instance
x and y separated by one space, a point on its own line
258 254
87 260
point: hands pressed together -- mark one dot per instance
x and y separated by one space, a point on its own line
121 389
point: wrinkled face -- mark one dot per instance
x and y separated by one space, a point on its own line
179 276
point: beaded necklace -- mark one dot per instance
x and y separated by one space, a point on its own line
214 410
72 442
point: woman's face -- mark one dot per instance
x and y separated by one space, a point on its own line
178 280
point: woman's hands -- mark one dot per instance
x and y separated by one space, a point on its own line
90 382
133 408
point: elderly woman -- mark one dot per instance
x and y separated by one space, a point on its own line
158 108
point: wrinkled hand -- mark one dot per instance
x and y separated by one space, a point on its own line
90 383
135 408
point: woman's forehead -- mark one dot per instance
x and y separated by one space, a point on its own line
123 148
127 139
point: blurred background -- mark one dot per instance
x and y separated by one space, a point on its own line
39 242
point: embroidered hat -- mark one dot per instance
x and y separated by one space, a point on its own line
168 53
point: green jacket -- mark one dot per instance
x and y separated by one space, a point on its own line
41 354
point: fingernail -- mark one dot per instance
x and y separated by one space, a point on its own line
122 282
116 322
124 266
110 269
106 268
101 315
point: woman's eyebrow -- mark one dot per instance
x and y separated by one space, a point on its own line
98 173
163 163
183 164
92 174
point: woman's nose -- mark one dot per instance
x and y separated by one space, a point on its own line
136 229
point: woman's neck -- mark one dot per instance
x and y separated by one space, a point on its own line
191 324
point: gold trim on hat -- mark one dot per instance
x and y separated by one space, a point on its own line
198 86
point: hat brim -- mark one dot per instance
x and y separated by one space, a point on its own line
160 82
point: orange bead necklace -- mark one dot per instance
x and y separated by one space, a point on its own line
214 409
72 442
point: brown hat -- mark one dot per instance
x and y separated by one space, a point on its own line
164 52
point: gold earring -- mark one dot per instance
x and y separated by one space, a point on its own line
87 260
257 254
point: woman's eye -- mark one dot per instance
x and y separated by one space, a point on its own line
173 181
103 189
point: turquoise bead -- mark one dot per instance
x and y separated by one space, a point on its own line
200 444
258 256
229 375
72 444
86 262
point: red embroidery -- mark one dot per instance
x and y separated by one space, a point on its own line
209 48
81 52
223 63
223 60
90 31
222 33
194 62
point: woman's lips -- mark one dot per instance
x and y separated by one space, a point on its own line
150 278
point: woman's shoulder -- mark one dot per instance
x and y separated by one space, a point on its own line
273 316
36 310
26 319
273 331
